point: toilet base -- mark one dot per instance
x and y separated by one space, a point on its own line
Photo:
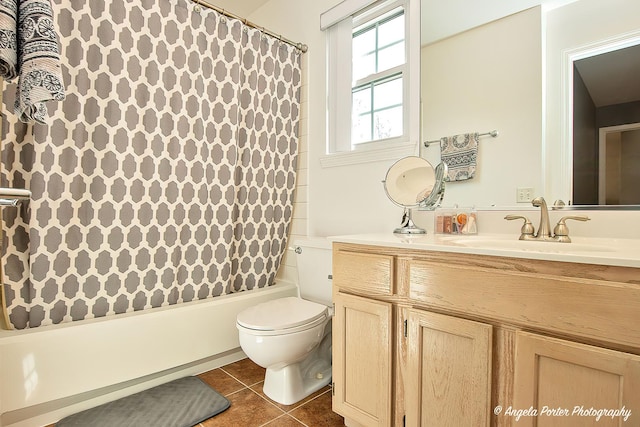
296 381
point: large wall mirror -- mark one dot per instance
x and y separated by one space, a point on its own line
587 151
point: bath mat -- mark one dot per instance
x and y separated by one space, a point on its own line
181 403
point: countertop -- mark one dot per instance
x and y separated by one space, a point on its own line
600 251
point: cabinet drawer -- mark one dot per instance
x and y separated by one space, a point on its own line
601 310
372 273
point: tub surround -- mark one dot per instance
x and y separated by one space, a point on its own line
51 372
497 324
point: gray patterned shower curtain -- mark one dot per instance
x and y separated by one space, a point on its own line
167 175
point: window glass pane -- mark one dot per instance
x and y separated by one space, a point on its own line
387 94
361 131
364 54
391 56
361 101
363 66
364 43
387 123
391 31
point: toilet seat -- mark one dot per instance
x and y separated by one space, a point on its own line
282 316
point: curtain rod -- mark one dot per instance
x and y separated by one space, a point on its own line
300 46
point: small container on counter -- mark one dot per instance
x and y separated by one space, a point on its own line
456 221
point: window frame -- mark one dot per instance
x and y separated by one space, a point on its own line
340 149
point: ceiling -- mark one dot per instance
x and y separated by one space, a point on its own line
241 8
441 19
612 78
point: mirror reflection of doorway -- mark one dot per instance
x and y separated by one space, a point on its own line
619 156
606 95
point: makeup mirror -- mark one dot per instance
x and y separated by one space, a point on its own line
412 182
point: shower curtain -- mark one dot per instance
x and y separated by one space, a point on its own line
167 175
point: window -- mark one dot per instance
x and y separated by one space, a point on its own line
378 59
373 98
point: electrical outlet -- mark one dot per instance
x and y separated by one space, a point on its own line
524 194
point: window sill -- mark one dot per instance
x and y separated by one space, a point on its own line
394 152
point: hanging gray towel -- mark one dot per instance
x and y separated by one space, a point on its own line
29 50
459 153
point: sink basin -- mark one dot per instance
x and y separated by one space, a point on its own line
525 245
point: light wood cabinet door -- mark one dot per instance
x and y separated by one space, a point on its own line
449 372
362 357
566 382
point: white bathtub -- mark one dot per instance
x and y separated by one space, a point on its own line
50 372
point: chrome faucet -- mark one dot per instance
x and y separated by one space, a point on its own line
560 231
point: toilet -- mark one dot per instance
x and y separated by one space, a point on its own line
291 337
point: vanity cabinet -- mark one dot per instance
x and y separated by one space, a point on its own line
428 338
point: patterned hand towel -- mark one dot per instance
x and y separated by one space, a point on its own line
29 50
8 46
39 60
459 153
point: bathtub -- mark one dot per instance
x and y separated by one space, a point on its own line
50 372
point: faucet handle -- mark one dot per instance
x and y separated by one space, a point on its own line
561 231
527 228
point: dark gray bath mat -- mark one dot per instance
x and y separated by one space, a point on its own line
181 403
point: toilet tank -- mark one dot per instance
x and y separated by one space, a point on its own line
313 260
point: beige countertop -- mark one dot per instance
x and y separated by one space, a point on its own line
601 251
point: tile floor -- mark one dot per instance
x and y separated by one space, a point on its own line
241 383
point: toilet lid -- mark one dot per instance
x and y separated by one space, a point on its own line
281 313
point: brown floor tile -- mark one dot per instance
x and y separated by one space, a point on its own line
317 412
246 371
251 408
247 410
285 421
287 408
222 382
